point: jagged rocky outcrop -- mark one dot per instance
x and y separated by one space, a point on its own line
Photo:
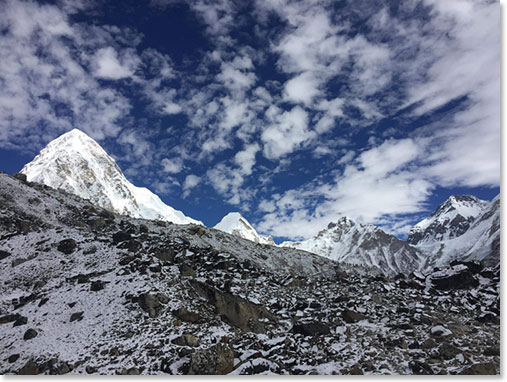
74 162
235 224
347 241
133 296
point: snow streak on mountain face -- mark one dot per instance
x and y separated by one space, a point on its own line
366 245
237 225
77 164
462 228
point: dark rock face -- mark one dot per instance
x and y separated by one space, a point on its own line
67 246
97 285
4 254
455 278
121 236
349 316
78 316
217 360
311 328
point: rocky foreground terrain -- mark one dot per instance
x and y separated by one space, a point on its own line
86 291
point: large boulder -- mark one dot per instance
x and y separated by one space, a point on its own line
235 310
67 246
121 236
311 328
29 334
456 277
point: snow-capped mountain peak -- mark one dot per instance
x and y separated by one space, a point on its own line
355 243
235 224
461 228
74 162
451 219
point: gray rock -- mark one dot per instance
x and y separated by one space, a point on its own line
20 321
121 236
184 315
489 368
311 328
30 368
148 301
4 254
29 334
186 340
349 316
97 285
67 246
217 360
78 316
447 351
165 255
19 176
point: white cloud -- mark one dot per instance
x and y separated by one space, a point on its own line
191 181
288 130
108 66
32 83
172 166
246 159
172 108
302 88
375 187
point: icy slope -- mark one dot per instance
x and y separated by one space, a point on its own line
353 243
77 164
235 224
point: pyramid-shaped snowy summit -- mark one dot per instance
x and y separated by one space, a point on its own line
74 162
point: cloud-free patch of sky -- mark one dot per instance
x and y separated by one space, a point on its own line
292 112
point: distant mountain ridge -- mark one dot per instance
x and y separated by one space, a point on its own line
463 228
74 162
362 244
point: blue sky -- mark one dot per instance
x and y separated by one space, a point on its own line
291 112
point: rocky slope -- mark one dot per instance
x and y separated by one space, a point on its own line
77 164
347 241
83 290
235 224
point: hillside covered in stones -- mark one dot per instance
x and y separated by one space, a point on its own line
86 291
